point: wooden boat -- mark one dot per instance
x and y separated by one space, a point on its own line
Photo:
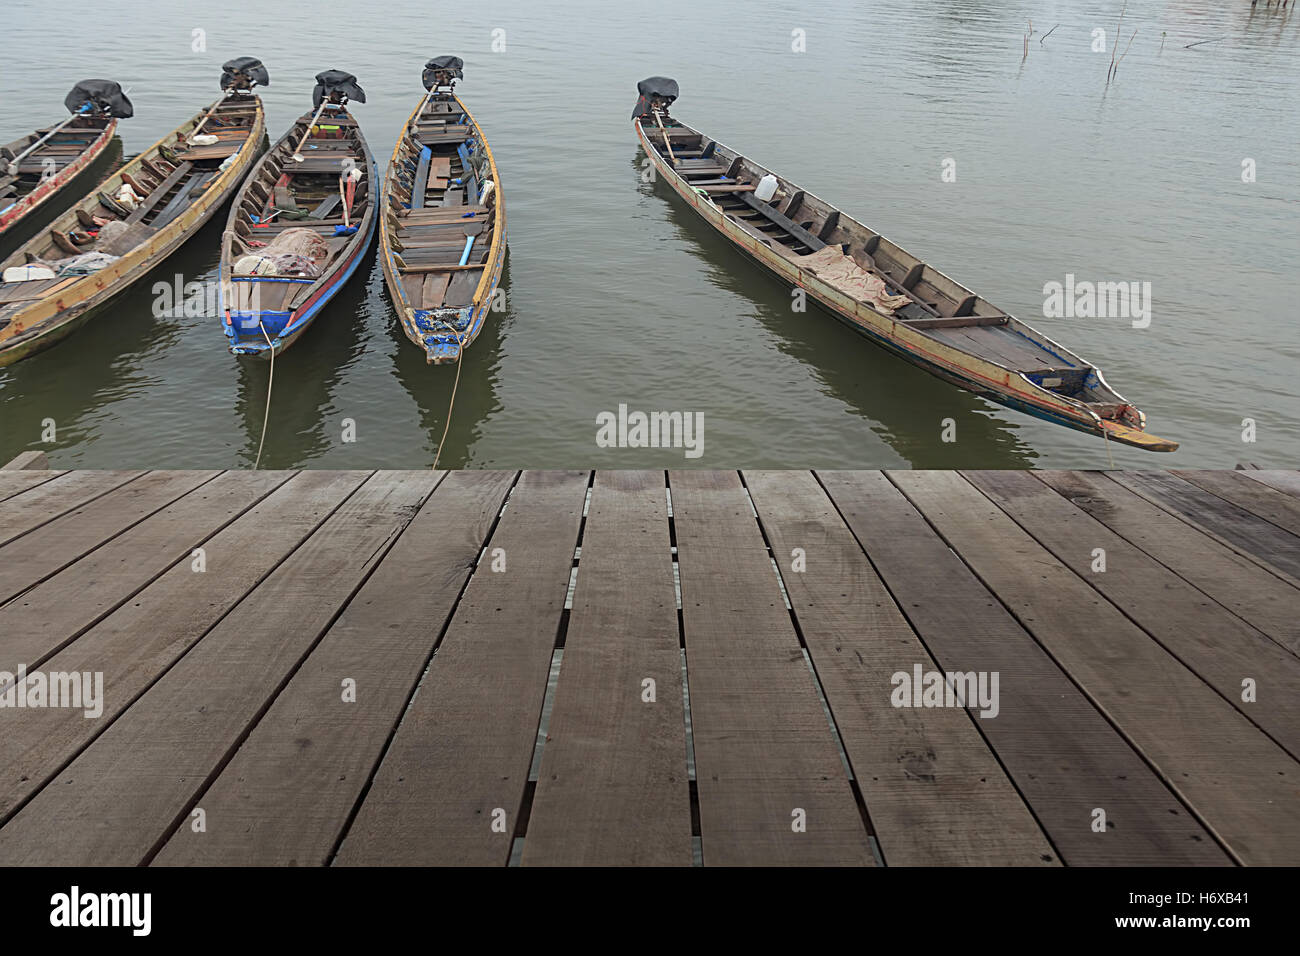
183 179
41 165
300 225
442 238
877 288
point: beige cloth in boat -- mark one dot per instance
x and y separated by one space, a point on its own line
838 270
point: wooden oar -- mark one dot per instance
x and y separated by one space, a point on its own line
207 116
13 163
667 142
297 155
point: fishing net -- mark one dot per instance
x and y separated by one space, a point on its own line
294 252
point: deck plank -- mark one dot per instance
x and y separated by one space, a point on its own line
16 482
763 745
935 792
139 641
286 796
1218 646
133 785
47 501
1242 531
1287 482
1272 505
613 784
464 747
53 546
54 612
1237 780
1063 755
1252 593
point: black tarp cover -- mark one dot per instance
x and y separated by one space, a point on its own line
448 64
660 86
332 81
250 66
105 94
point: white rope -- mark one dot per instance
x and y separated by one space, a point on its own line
270 379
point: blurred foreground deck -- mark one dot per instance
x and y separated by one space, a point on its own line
716 667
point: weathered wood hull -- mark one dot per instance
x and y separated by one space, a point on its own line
442 339
1001 383
47 320
298 319
17 219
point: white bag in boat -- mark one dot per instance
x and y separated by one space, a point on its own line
204 139
766 188
127 196
27 273
488 186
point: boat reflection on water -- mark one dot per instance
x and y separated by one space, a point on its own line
430 387
305 421
904 406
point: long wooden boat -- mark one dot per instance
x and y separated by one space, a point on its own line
108 240
41 165
442 237
879 289
300 225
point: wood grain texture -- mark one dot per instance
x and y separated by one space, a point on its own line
459 760
1241 784
1221 648
613 787
1064 757
935 792
133 785
1252 593
287 795
765 757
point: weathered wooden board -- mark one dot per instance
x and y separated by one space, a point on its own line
287 795
49 615
46 550
613 784
1239 584
1238 528
16 482
1285 481
42 504
135 784
772 786
139 641
935 792
1218 646
450 788
1062 754
1233 777
1260 500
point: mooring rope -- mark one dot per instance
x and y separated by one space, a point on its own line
460 351
1106 436
266 415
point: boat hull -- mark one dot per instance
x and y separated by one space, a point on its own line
51 319
476 315
299 319
1005 386
20 221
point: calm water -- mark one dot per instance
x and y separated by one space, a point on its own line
618 294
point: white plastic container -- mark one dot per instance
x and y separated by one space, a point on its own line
766 188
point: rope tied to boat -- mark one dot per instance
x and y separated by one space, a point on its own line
451 404
266 415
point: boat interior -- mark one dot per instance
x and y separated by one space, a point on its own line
47 160
797 225
168 179
283 194
439 228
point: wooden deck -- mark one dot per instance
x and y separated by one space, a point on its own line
636 667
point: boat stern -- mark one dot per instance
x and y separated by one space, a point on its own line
442 333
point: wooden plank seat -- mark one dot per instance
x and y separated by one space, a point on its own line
155 197
440 213
789 225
